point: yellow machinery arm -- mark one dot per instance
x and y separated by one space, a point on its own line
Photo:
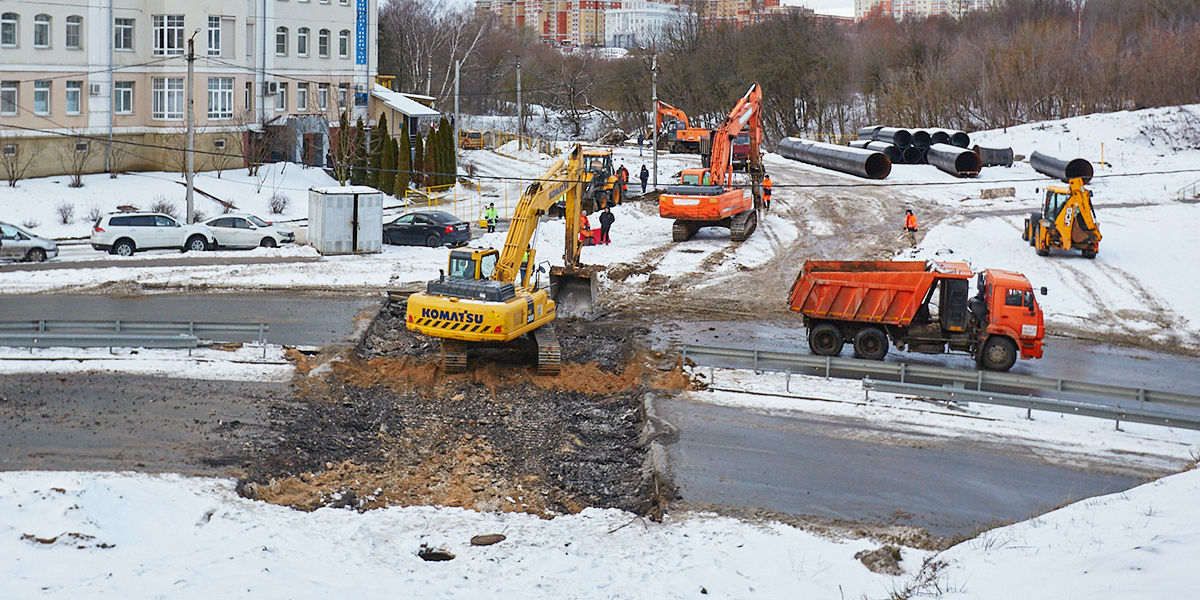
1067 221
562 180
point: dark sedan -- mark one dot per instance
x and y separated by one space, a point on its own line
427 228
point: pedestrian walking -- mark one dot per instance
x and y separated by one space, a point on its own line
910 227
606 221
767 192
641 138
585 229
491 215
645 177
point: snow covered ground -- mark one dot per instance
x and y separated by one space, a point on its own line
154 536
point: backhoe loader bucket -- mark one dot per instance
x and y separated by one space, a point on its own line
575 292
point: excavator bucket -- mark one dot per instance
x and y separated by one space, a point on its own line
575 292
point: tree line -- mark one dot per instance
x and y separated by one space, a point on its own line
1021 61
393 164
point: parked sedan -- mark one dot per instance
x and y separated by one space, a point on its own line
427 228
241 230
17 243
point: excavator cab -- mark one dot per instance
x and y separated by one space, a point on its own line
480 263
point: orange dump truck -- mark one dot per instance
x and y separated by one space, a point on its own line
921 307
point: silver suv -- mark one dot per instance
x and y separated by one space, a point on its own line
124 233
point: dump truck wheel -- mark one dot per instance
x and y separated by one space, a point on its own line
998 354
871 343
826 340
1089 254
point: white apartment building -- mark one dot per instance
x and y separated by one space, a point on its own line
909 9
637 22
116 70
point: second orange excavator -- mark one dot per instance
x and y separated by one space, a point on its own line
707 197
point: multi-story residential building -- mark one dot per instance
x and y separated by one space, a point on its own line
909 9
638 21
116 70
737 12
564 22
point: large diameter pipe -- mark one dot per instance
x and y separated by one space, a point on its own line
956 161
994 157
939 136
894 136
950 136
920 139
893 153
1065 170
868 132
912 156
855 161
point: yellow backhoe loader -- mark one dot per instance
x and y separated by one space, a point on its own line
1067 221
490 298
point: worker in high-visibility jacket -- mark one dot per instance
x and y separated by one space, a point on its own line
910 227
767 192
585 229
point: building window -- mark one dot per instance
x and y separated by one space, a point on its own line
81 146
8 97
323 97
281 97
344 43
123 97
41 31
41 97
302 41
344 2
74 32
219 143
343 95
123 34
281 41
323 43
168 35
220 97
8 29
301 96
249 95
214 36
168 98
74 97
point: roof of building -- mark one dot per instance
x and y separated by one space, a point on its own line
402 103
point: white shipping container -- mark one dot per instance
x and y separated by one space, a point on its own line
345 220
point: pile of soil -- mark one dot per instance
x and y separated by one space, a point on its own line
386 427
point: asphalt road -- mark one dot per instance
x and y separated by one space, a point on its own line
805 466
295 319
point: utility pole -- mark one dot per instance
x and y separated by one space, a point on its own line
654 111
191 128
457 65
520 111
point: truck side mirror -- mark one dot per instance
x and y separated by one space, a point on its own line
1043 290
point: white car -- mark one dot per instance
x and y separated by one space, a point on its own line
123 233
241 230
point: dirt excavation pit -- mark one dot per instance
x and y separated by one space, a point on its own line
384 426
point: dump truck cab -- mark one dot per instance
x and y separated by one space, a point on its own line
1012 314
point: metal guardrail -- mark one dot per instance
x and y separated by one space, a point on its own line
144 334
1031 403
985 383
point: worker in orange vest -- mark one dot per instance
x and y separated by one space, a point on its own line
910 227
585 229
767 192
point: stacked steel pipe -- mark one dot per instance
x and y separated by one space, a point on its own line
912 145
862 162
959 162
1065 170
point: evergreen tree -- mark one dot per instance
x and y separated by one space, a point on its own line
403 165
387 166
359 175
418 160
433 158
343 150
375 161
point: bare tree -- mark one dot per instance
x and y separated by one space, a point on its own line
16 157
251 141
75 155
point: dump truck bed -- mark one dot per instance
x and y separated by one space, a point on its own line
883 292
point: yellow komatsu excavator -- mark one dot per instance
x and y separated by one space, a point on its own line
492 298
1066 222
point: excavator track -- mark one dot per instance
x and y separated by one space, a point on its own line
742 225
454 356
549 353
683 231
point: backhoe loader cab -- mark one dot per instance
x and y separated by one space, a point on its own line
1067 221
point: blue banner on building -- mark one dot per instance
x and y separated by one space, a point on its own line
361 28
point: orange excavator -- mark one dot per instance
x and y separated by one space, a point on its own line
706 197
677 137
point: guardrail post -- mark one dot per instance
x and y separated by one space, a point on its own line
828 364
262 339
756 361
903 370
1059 385
1141 399
787 382
116 327
712 376
979 381
41 327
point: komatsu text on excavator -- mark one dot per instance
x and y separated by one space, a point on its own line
493 298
